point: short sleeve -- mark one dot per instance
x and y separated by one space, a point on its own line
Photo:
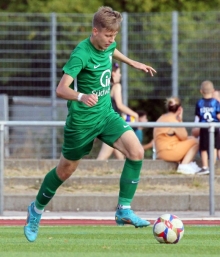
73 66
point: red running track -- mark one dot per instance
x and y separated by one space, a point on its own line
87 222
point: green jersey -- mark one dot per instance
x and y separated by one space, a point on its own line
91 71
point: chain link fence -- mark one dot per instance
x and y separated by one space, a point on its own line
182 47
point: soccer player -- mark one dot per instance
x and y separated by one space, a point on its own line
86 85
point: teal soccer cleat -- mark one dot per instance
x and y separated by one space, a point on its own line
32 223
127 216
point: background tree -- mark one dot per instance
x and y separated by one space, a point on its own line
85 6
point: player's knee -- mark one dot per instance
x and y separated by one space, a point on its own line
136 153
141 153
65 170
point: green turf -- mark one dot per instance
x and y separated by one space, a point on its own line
97 241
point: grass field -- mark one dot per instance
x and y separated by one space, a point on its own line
97 241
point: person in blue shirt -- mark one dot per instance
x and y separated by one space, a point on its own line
207 110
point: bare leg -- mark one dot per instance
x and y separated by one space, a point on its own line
129 145
218 154
190 154
65 168
105 152
118 155
215 156
204 158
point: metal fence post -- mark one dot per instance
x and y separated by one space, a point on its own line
175 53
1 169
124 50
212 172
53 81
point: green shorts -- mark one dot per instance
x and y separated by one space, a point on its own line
78 141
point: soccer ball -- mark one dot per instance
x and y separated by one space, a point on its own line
168 229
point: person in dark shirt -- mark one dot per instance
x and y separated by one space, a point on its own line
207 110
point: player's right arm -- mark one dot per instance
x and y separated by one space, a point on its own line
64 91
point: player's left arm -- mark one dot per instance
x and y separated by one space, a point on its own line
138 65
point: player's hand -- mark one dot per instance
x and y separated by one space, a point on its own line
144 67
89 100
150 69
136 117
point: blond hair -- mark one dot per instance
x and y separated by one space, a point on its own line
206 87
107 18
172 104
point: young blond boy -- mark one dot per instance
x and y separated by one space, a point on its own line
207 110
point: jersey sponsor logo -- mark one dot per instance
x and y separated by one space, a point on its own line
105 81
101 92
125 126
96 66
105 78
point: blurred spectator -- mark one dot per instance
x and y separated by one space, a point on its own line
207 110
139 130
173 143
